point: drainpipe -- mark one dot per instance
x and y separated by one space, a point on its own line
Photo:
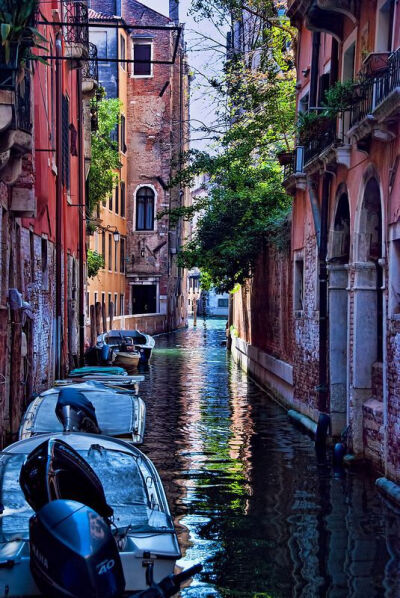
59 208
315 209
81 213
323 299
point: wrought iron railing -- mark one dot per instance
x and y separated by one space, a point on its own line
76 15
375 88
289 168
315 147
390 79
90 69
23 106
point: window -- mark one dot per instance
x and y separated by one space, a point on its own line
95 299
123 51
122 255
145 209
142 54
110 202
298 284
110 242
87 305
103 245
103 299
122 199
121 305
122 136
116 199
115 304
384 25
115 256
222 302
109 303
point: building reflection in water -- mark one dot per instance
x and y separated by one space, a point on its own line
251 500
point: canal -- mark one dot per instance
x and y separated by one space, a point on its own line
249 498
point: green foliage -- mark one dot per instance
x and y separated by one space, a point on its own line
246 205
312 124
338 99
341 97
16 29
95 262
105 154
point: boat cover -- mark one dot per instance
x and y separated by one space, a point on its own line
123 475
116 412
111 370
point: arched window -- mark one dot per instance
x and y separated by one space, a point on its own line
145 209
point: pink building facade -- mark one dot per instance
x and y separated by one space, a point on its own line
344 338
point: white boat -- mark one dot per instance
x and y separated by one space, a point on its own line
144 343
119 414
144 530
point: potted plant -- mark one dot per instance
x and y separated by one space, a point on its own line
17 36
311 125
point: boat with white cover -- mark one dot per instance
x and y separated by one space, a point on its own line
119 413
142 524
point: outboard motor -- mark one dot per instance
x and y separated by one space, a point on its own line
54 470
76 412
73 552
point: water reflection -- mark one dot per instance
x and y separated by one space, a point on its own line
250 500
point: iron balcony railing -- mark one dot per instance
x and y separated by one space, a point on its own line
296 165
315 147
90 69
77 17
289 168
374 89
23 105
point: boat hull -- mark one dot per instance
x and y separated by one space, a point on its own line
128 360
16 579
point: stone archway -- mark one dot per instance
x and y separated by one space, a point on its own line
367 317
339 255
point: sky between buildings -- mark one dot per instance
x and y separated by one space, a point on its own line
206 58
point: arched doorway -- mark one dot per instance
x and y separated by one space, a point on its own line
339 255
368 313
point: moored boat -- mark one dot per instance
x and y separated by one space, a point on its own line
144 343
119 414
142 524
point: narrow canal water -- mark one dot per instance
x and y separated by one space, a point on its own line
249 499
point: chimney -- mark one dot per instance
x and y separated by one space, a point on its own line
174 11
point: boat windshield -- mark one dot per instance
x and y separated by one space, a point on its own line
129 485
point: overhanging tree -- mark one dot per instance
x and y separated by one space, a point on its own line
246 205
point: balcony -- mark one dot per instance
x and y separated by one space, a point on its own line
373 115
323 15
76 32
15 126
90 72
293 172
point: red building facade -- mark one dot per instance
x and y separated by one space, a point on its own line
42 190
343 273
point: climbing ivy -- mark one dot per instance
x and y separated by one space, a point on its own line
95 262
105 154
